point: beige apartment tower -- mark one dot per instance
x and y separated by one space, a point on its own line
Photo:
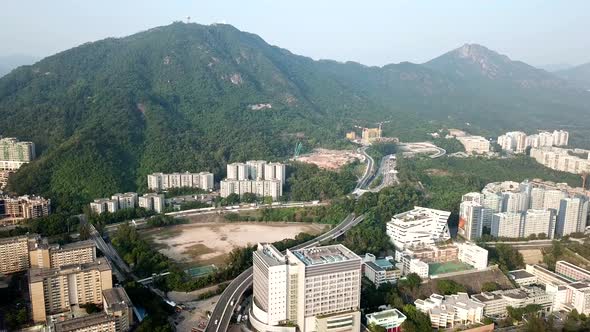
54 290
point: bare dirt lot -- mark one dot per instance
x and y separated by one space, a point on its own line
196 313
532 256
209 243
330 159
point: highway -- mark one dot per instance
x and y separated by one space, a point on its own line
223 311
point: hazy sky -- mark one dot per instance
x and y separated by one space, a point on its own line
370 32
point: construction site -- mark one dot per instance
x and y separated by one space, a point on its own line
330 159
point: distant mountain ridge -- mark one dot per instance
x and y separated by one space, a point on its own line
579 75
10 62
180 97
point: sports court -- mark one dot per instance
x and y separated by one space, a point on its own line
198 271
447 267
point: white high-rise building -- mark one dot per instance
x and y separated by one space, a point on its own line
104 205
161 181
126 200
537 198
256 177
560 138
152 202
539 221
572 216
318 289
552 199
514 202
418 227
14 154
507 224
473 197
471 216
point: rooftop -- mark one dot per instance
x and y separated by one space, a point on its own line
270 255
386 314
74 245
374 266
82 322
579 285
116 298
520 274
572 266
38 274
420 213
325 255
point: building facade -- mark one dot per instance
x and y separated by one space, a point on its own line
163 181
152 202
14 154
418 227
256 177
572 271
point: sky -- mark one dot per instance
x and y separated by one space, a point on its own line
370 32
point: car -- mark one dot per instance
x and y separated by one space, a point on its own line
216 321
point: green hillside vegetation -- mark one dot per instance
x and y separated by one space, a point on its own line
182 97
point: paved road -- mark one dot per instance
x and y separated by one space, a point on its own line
387 170
223 311
369 171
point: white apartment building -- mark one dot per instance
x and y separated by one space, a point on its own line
506 224
126 200
475 144
560 159
518 141
162 181
537 198
514 201
152 202
538 221
318 289
14 154
418 227
572 216
256 177
552 199
102 205
471 216
514 141
473 255
446 311
560 137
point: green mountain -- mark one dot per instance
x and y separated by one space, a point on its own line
579 75
10 62
188 97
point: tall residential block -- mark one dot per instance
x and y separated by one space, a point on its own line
116 304
102 205
152 202
25 207
317 289
162 181
539 221
254 176
14 254
572 216
418 227
471 221
55 290
13 153
507 224
126 200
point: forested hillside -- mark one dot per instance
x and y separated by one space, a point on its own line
188 97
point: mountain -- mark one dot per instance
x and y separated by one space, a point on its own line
579 75
553 67
189 97
9 62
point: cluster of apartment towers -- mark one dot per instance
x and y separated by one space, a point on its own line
63 278
256 177
518 210
14 154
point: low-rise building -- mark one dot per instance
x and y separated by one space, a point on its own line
497 302
545 276
572 271
475 144
522 277
473 255
116 304
380 271
391 319
450 310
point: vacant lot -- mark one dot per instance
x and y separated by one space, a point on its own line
532 256
209 243
472 281
330 159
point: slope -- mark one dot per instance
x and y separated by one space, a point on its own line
579 75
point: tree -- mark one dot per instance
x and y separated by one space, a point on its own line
91 308
84 231
416 321
232 199
249 198
412 281
447 287
506 257
489 286
376 328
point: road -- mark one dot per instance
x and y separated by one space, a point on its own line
388 173
223 311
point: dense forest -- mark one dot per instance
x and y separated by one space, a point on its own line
188 97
